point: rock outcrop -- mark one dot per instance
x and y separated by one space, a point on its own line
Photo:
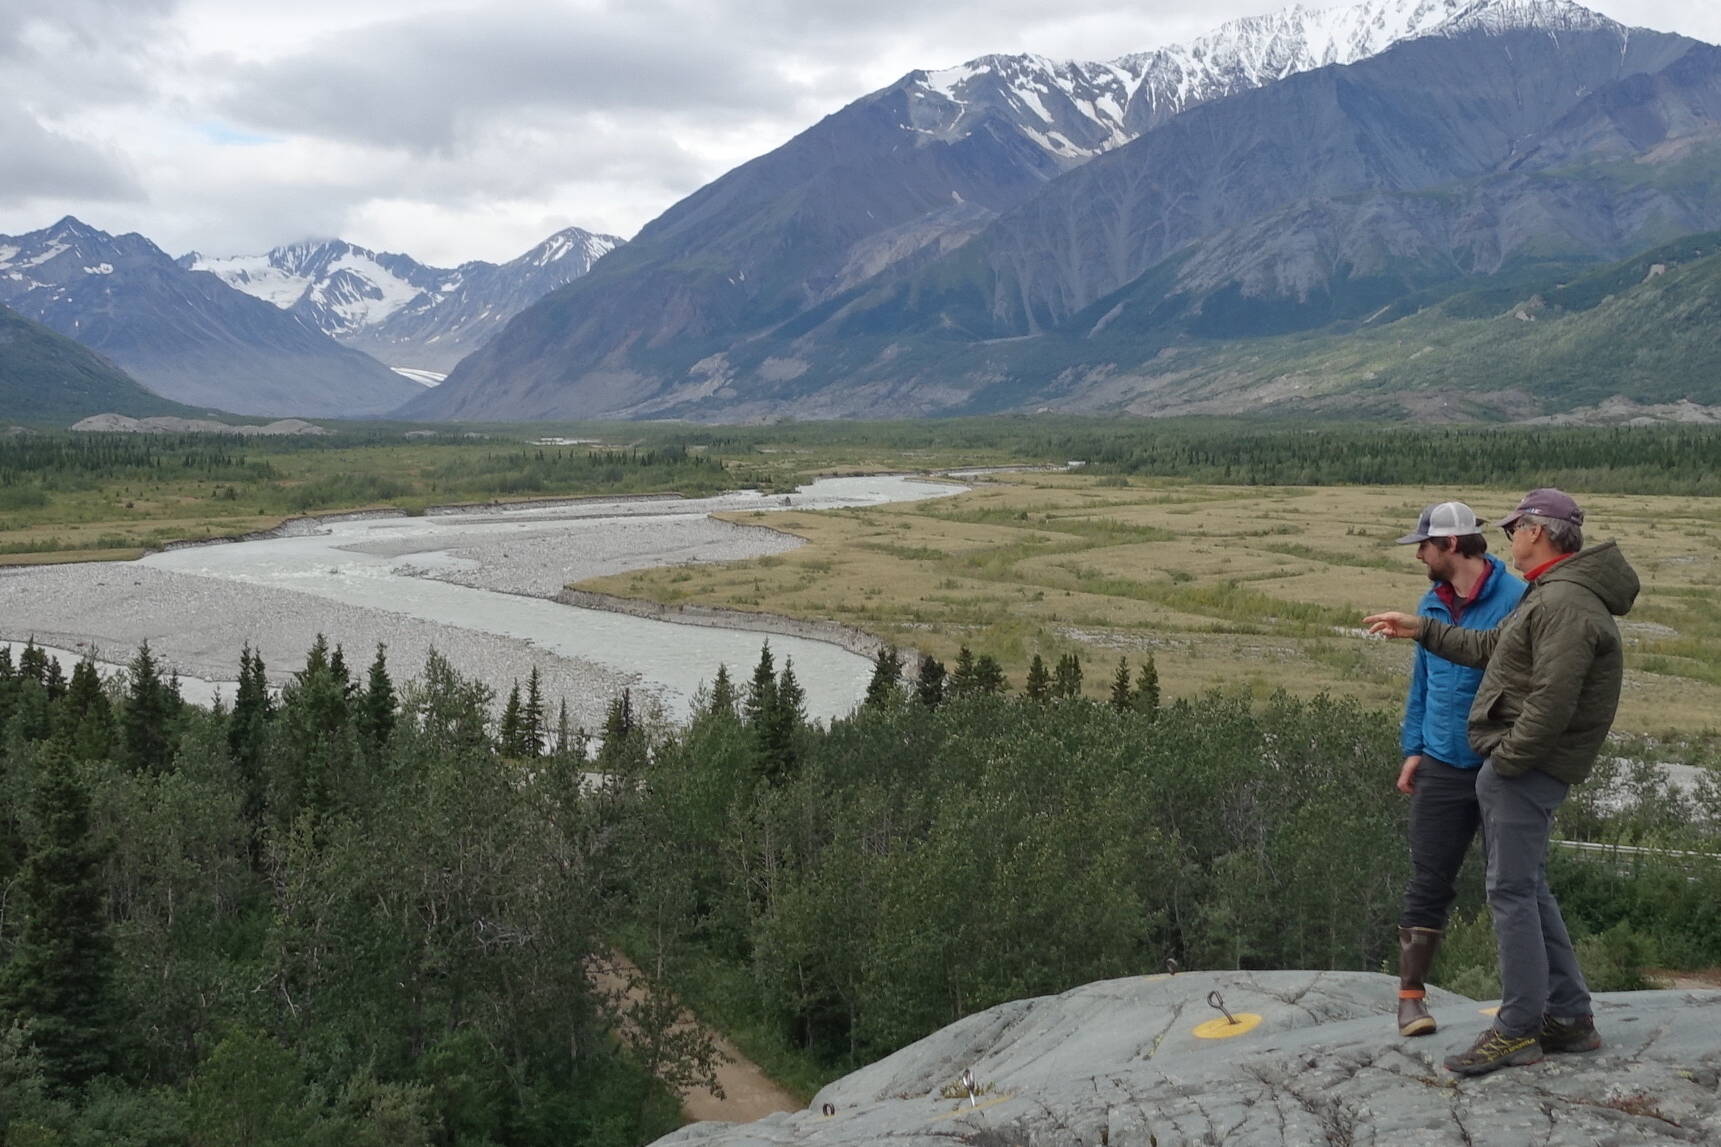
121 424
1313 1060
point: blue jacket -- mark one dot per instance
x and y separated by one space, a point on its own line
1437 712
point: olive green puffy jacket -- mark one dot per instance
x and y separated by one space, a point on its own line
1553 667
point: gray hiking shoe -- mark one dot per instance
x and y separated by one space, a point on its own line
1493 1050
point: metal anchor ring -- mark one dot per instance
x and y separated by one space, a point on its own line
1217 1001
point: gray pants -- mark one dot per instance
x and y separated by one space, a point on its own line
1539 972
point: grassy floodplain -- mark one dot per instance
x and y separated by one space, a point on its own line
111 497
1240 553
1227 586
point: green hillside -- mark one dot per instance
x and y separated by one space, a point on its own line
46 378
1648 328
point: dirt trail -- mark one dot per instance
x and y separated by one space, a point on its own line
748 1093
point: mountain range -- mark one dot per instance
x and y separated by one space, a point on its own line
1017 233
186 335
305 330
411 316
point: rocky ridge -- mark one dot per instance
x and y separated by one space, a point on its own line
1313 1059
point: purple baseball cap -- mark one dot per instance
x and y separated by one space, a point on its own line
1546 503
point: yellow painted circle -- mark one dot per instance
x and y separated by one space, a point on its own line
1489 1011
1223 1028
1157 977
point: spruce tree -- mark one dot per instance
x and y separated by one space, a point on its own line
1147 688
989 675
24 696
59 975
624 750
779 733
1121 698
961 680
33 663
312 750
86 717
1067 680
54 681
762 690
618 721
379 708
339 671
8 685
532 717
508 736
1039 686
146 743
884 688
722 694
929 685
247 732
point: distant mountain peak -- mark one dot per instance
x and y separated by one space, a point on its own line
390 305
571 241
69 227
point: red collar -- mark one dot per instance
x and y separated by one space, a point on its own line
1446 593
1546 566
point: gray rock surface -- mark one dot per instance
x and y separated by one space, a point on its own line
1118 1063
166 424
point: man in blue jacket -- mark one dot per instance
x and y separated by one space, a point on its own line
1472 588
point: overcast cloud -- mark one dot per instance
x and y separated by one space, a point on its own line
465 129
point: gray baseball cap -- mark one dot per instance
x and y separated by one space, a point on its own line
1546 503
1444 520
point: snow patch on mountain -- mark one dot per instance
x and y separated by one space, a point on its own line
397 309
1076 109
339 287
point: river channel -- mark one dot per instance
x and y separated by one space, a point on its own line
473 584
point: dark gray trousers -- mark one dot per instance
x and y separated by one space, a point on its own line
1539 972
1444 817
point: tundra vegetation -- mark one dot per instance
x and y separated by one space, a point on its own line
352 912
88 496
1254 587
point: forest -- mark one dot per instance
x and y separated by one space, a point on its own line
350 911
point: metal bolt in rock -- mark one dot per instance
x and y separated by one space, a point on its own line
968 1082
1215 1000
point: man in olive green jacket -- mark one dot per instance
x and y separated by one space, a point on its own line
1546 702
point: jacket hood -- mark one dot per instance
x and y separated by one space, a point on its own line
1603 571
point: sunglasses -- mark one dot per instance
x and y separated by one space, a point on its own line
1514 528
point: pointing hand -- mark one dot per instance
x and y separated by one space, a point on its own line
1393 624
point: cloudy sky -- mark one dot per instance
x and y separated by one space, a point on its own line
471 129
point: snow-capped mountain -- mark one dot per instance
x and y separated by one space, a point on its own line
416 318
1000 199
1075 110
186 335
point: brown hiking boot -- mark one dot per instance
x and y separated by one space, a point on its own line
1416 948
1565 1036
1493 1050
